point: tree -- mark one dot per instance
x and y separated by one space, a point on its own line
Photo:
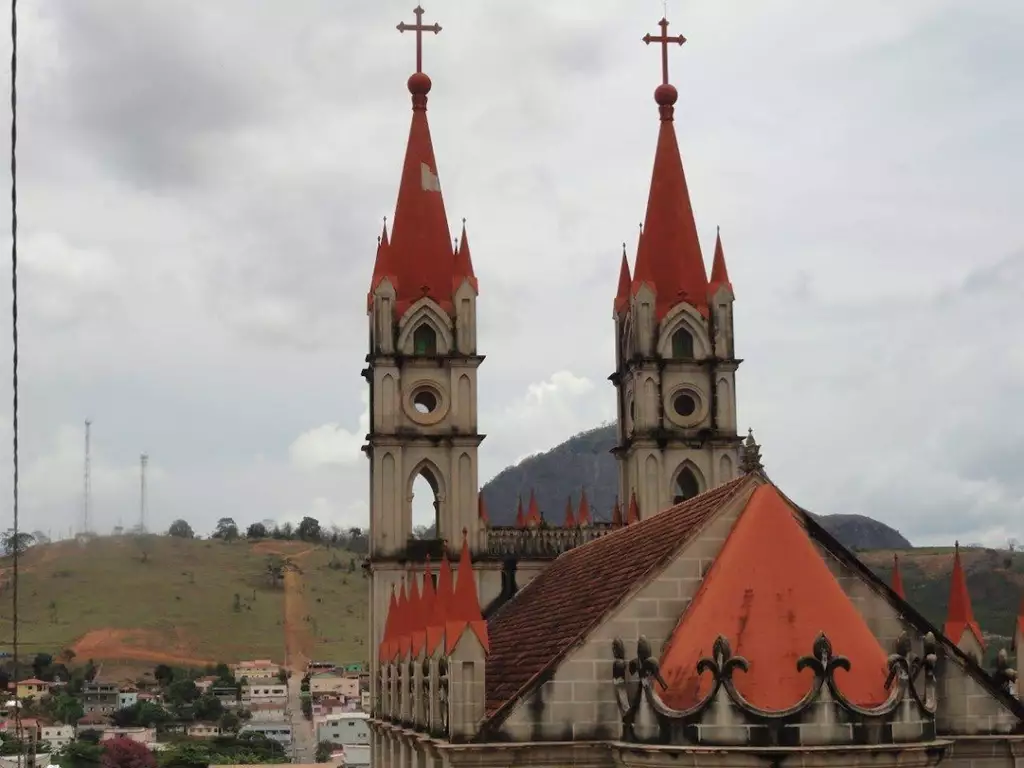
256 531
323 752
66 708
309 529
41 665
207 708
21 542
227 529
229 722
182 692
163 674
81 754
123 752
181 530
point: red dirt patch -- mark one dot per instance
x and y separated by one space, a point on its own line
132 644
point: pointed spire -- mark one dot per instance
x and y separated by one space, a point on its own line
669 260
420 248
387 639
533 518
481 511
520 518
583 511
719 273
960 612
443 597
426 608
634 510
464 263
402 639
625 280
464 611
414 615
381 265
1018 635
750 455
897 578
570 518
617 514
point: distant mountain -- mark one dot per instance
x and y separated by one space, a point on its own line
584 461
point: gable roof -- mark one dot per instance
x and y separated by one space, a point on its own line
534 631
771 603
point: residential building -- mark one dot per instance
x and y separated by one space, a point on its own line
351 728
99 697
313 667
225 694
333 683
33 687
353 756
280 731
28 730
264 692
364 701
203 730
268 711
141 735
205 683
57 735
324 706
94 721
127 696
259 669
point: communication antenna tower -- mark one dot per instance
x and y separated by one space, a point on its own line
143 461
87 480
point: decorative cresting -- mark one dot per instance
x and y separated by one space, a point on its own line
824 716
542 542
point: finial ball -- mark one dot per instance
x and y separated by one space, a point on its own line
665 94
419 84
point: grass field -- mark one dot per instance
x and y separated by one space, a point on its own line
144 600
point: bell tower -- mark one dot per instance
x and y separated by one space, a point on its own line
675 362
421 368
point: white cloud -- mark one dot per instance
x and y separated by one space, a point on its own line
331 444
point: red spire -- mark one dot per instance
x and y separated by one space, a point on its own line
533 513
583 512
617 513
419 639
420 251
1018 637
634 510
381 266
719 273
402 639
669 259
464 611
897 578
387 651
520 520
464 263
415 616
481 510
570 519
622 295
439 611
960 613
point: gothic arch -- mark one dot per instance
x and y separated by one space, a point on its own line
724 401
687 482
425 311
430 472
725 468
684 317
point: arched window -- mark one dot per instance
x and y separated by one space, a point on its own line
424 340
426 505
682 345
686 486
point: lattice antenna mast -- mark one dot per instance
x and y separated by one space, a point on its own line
87 478
143 501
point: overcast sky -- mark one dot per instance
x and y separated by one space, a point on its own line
203 182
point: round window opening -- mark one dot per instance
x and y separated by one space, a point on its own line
684 404
425 402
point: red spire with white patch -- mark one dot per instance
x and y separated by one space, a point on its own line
381 265
669 259
719 272
464 264
464 611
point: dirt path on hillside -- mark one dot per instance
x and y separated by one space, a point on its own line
131 644
298 640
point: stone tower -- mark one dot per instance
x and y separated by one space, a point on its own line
422 371
675 372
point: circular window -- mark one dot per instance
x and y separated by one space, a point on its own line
425 402
684 404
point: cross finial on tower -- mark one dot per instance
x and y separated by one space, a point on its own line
419 28
664 39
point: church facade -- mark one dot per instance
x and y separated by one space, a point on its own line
712 621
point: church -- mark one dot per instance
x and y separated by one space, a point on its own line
713 621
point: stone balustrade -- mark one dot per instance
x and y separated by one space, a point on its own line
542 541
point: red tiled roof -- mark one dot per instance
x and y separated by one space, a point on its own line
542 623
771 603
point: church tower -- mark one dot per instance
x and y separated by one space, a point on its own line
421 368
676 367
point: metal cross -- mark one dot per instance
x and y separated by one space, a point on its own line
664 39
419 28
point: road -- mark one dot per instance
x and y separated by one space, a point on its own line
303 739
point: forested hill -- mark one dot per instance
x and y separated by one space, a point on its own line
584 461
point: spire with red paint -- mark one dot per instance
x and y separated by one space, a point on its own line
960 612
520 518
533 518
386 650
443 597
426 609
381 265
402 641
719 272
413 616
464 612
634 510
464 264
583 511
625 280
669 260
897 578
570 518
617 513
481 511
420 253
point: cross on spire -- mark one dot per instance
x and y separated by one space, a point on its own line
664 39
419 28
